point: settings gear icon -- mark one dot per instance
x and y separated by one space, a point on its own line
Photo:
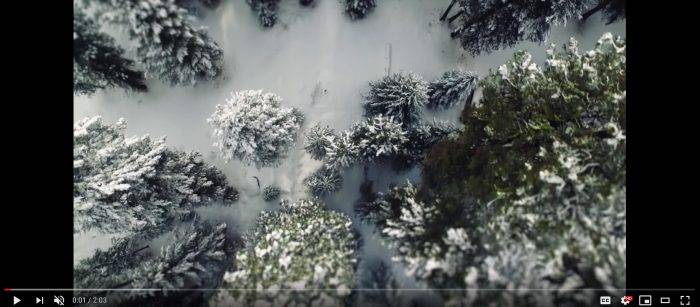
626 299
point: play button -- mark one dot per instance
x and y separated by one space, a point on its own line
16 300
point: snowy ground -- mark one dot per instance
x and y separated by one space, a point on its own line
319 61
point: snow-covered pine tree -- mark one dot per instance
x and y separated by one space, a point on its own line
255 128
167 43
303 246
108 267
266 10
387 205
487 25
452 88
342 151
271 192
188 173
324 181
408 225
193 256
531 193
399 95
128 183
357 9
378 138
317 139
98 62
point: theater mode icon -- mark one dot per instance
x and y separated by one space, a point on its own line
605 300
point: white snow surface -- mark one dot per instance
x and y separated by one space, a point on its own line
319 61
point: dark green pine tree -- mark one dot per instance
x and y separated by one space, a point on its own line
487 25
422 137
530 192
98 62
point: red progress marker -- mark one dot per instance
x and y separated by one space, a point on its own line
7 289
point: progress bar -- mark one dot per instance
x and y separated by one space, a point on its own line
352 289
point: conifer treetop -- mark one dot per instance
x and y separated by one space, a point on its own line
128 183
168 45
98 63
255 128
303 246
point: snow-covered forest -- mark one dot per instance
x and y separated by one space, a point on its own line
349 152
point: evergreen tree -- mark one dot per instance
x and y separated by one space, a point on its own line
542 102
378 138
304 247
255 128
422 137
377 275
388 205
266 10
306 2
128 183
357 9
487 25
196 256
271 193
325 180
98 62
531 193
420 140
363 206
399 95
342 151
317 140
454 87
167 44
